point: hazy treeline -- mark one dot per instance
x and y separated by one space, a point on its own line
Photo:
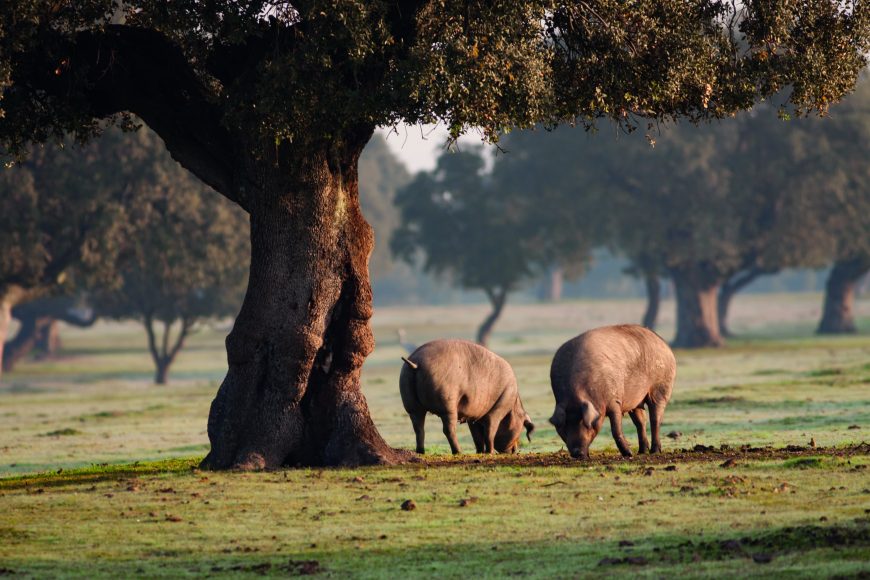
709 209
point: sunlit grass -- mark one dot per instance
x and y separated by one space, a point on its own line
99 477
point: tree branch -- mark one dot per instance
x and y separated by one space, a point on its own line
127 69
148 321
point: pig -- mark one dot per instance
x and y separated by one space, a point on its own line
606 372
462 381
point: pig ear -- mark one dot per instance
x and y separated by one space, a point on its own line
530 427
590 415
558 418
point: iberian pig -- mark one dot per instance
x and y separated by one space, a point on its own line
606 372
462 381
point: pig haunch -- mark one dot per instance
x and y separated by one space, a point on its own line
606 372
461 381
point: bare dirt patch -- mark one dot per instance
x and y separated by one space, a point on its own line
699 453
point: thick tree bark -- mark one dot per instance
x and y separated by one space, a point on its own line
497 298
697 315
292 393
653 299
838 316
729 288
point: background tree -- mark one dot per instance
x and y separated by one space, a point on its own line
182 262
465 230
272 103
381 174
38 323
62 213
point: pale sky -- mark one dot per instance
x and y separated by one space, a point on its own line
419 146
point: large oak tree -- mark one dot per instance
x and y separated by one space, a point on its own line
271 103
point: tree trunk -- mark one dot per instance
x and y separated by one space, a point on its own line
552 284
5 321
729 288
292 393
838 317
31 330
48 343
697 315
653 300
163 354
497 298
161 373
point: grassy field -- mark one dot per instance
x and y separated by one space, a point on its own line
98 477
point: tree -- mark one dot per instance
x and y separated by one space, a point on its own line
271 104
381 174
38 326
812 187
181 263
62 212
466 230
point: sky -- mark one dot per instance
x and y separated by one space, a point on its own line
419 146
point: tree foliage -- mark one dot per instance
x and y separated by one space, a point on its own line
747 196
183 261
381 174
317 70
485 232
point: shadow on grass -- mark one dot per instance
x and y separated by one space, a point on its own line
820 551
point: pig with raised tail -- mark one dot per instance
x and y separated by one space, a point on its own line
461 381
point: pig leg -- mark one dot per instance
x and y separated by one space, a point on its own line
477 435
656 412
450 431
490 427
638 417
618 436
418 420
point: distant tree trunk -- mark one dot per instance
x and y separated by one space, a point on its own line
292 394
838 316
10 296
729 288
40 327
31 330
497 298
653 299
5 321
49 343
552 284
165 353
697 314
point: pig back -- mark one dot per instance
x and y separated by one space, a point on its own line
459 375
613 364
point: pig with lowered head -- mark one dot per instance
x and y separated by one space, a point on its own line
461 381
606 372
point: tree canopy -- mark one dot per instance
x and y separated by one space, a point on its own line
199 73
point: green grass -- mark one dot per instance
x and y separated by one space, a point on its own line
99 478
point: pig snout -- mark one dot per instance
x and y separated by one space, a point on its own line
578 453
